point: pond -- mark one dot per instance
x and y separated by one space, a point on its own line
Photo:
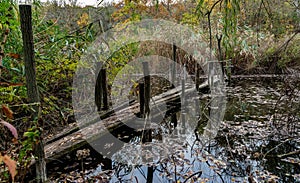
258 141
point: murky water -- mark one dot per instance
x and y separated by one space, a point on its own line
258 141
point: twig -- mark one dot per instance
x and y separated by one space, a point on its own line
199 172
297 152
216 172
276 147
285 44
29 104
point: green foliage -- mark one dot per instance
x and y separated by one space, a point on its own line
224 13
293 49
119 59
230 25
291 55
57 52
8 15
9 21
190 19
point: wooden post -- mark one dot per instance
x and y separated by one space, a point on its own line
197 107
147 133
197 78
174 120
98 87
101 91
32 90
228 71
183 82
197 74
147 87
183 107
173 65
150 174
142 99
107 164
104 88
183 91
173 75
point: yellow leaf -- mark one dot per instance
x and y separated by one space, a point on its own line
229 5
83 20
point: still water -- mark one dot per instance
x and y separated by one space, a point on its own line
258 141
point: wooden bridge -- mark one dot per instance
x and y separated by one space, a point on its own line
73 138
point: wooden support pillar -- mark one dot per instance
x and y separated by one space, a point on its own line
148 132
183 102
173 76
183 94
32 89
197 76
197 107
101 90
174 120
173 66
104 88
147 87
98 87
228 71
150 174
142 99
107 164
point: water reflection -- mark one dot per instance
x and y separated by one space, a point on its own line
261 127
